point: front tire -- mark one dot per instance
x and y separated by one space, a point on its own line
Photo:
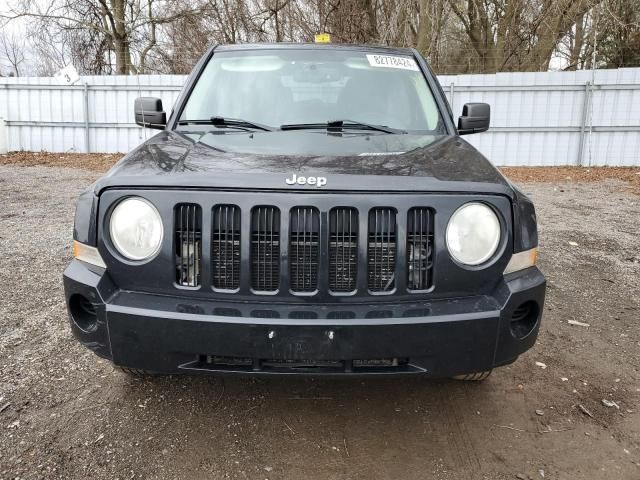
474 377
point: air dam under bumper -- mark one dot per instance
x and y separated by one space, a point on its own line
440 338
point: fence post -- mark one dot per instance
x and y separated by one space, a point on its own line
586 107
451 93
4 142
85 92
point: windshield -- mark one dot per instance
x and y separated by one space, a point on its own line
315 86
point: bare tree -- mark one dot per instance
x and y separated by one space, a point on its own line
517 34
618 34
126 29
12 52
456 36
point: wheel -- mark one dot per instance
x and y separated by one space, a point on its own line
138 372
474 377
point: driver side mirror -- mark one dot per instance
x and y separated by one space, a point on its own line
149 113
475 118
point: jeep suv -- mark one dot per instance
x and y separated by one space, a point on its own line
306 209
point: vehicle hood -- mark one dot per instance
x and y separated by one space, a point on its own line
350 162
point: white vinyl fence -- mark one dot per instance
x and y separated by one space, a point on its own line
552 118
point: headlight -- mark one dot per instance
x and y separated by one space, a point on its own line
473 234
136 229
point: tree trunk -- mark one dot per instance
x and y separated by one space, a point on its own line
578 44
120 38
425 28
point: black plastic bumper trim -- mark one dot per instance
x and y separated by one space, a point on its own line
438 338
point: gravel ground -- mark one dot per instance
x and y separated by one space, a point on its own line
66 414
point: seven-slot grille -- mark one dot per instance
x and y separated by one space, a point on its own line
337 241
265 249
188 244
225 247
304 249
343 249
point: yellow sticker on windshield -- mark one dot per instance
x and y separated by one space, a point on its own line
391 61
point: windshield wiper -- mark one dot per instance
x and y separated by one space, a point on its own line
228 122
339 125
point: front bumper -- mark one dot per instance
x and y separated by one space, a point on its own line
178 335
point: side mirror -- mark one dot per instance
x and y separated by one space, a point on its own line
475 118
149 113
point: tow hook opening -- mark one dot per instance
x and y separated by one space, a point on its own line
83 313
524 319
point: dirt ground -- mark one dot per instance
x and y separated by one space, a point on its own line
66 414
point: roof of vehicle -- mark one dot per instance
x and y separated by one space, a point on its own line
319 46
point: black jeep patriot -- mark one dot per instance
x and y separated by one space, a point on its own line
306 209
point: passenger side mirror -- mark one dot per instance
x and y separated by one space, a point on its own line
475 118
149 113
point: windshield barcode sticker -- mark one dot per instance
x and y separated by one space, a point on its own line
388 61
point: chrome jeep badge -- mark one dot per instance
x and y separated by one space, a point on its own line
296 180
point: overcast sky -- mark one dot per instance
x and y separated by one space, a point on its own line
17 27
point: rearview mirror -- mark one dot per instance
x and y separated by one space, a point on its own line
475 118
149 113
